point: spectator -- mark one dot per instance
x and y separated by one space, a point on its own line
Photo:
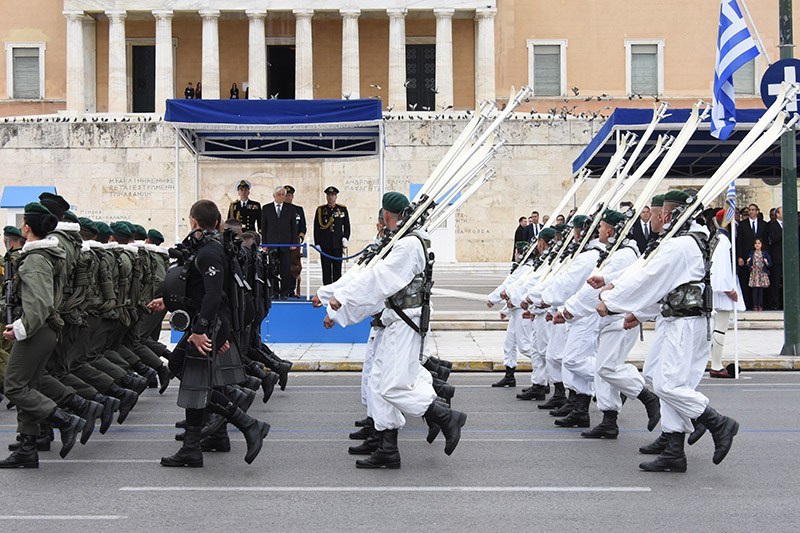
545 219
279 226
532 230
759 263
519 234
559 219
748 230
641 231
775 241
234 92
297 255
198 92
571 214
188 92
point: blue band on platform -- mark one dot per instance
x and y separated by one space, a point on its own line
315 247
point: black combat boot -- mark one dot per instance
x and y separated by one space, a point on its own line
655 447
254 432
449 421
607 429
43 441
653 406
441 373
25 456
133 382
441 362
508 380
150 375
190 453
364 432
566 406
243 398
386 455
251 382
110 406
88 410
535 392
723 429
268 385
69 426
433 429
672 459
579 416
164 377
127 400
218 442
364 422
275 364
443 390
558 399
699 431
369 445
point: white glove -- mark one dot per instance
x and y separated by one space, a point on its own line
344 242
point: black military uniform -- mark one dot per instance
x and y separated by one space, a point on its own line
248 212
331 226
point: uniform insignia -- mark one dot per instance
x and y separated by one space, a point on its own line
212 271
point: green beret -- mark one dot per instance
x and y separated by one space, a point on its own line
658 201
395 202
612 217
561 228
139 231
86 223
155 236
12 231
69 216
676 197
56 204
547 234
35 208
129 226
521 244
578 221
103 229
121 228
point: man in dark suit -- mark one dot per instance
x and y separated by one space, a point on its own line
775 240
641 232
533 228
297 255
279 226
519 235
749 229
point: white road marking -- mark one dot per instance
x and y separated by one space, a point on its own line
63 517
340 440
108 461
386 489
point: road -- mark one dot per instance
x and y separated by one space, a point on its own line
513 471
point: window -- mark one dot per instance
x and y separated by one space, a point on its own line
744 79
645 67
25 70
547 67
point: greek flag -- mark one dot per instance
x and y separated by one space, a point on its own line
730 204
735 47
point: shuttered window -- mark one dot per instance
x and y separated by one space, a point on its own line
644 69
547 70
26 71
744 79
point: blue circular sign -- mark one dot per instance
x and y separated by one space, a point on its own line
784 70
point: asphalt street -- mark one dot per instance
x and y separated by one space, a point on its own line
513 470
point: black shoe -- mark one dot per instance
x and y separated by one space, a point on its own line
243 398
441 362
268 385
181 424
110 406
251 383
69 426
164 376
579 416
190 454
443 390
364 422
566 407
127 400
25 456
558 399
441 373
672 459
254 432
42 442
723 429
370 445
386 455
449 421
536 392
134 382
180 437
699 431
655 447
508 380
361 433
88 410
218 442
433 430
607 429
653 406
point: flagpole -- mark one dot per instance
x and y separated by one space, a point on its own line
736 303
755 30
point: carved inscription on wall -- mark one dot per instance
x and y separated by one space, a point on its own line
133 186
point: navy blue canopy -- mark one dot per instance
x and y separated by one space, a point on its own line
702 155
278 129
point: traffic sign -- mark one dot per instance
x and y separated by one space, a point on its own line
787 70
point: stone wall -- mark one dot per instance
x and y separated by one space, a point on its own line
113 170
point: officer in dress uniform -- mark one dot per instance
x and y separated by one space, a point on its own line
245 210
331 232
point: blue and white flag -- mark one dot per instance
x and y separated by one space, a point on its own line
735 47
730 204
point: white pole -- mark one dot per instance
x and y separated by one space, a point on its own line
177 188
307 268
755 30
381 161
735 304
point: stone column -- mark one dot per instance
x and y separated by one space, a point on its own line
165 77
257 56
210 73
397 58
76 79
304 65
484 60
444 57
90 64
117 63
351 71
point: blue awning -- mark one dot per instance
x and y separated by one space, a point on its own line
702 155
17 197
278 129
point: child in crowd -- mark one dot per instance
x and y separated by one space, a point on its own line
759 263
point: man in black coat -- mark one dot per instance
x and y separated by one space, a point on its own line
533 228
519 235
300 217
775 239
749 229
641 232
279 226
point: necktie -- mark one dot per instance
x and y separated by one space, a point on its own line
754 227
278 210
536 230
646 230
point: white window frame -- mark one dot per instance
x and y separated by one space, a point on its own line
629 43
562 43
10 67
